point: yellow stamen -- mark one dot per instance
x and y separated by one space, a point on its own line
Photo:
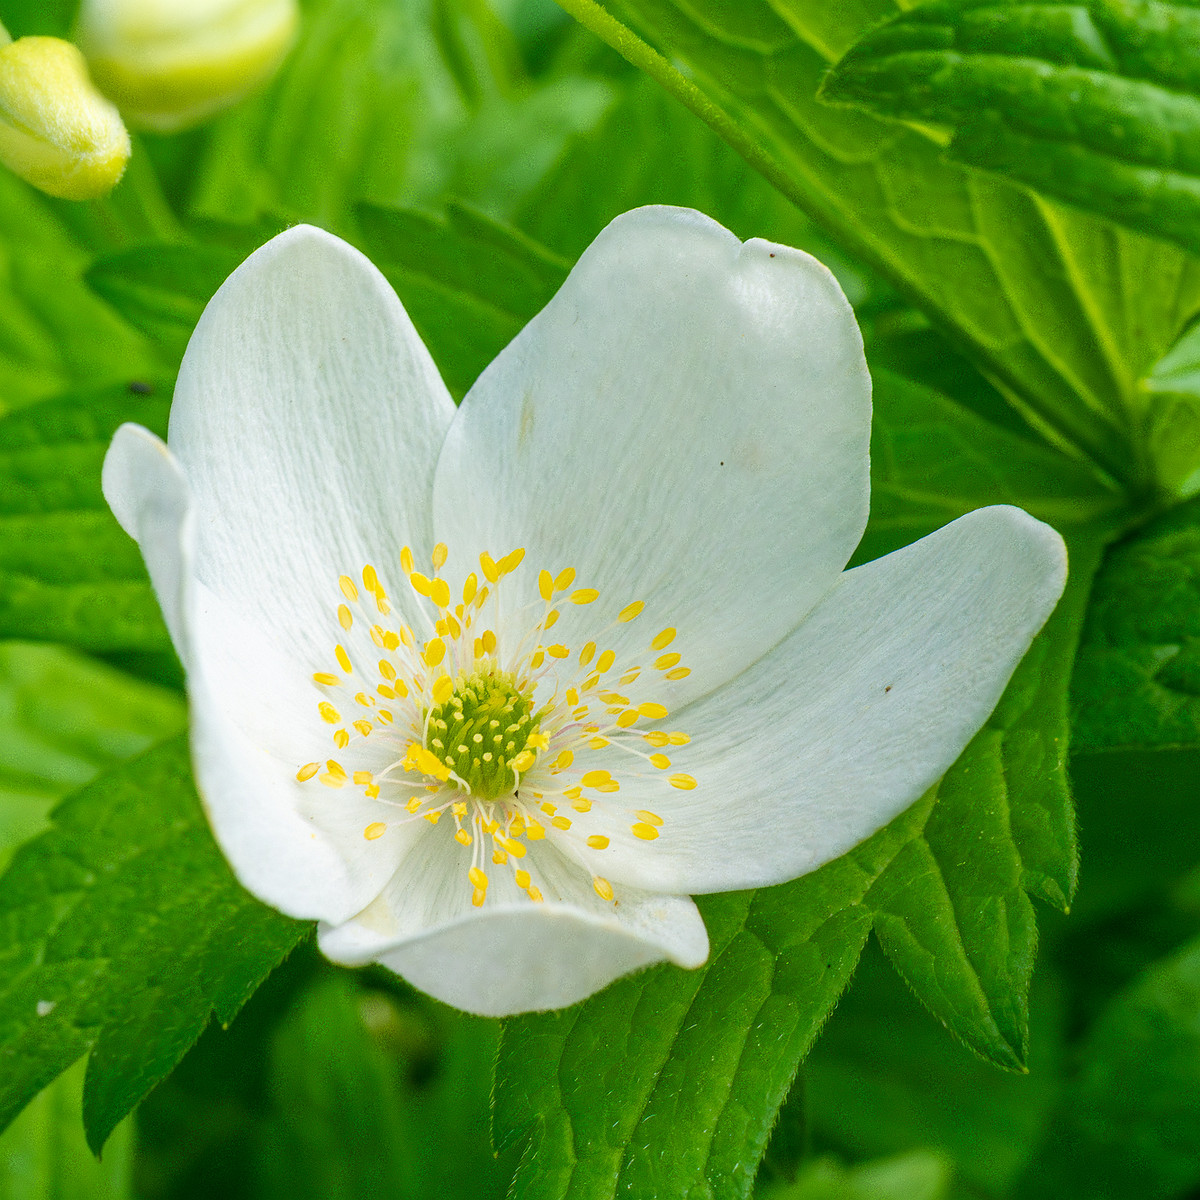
307 771
345 617
375 830
630 611
325 678
678 673
646 832
661 761
603 888
662 640
348 588
665 662
565 578
584 595
440 553
343 659
598 841
328 712
683 782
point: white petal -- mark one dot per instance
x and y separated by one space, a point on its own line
855 715
307 419
299 847
686 424
512 955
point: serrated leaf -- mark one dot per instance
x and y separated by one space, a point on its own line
122 931
1129 1124
469 283
1064 311
1137 677
63 718
68 573
43 1154
1091 101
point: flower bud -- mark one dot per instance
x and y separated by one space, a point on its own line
169 64
56 130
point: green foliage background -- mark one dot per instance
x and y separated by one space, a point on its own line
874 1030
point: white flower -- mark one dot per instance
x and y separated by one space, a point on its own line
492 692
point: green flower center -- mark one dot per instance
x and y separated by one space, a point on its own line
483 732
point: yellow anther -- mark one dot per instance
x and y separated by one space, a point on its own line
551 619
661 761
470 587
572 696
587 654
348 588
345 617
627 718
646 832
381 603
649 817
685 783
511 845
678 739
481 598
665 662
362 778
598 743
499 857
487 564
459 808
364 727
545 584
385 716
511 561
307 771
564 579
523 761
605 661
534 894
678 673
386 692
663 639
406 561
443 689
391 640
414 804
478 648
377 635
375 830
341 739
370 578
435 651
561 822
335 768
406 636
433 817
584 595
539 657
572 793
478 896
418 759
325 678
598 841
401 688
564 760
582 805
371 790
454 626
522 878
332 781
517 825
538 740
441 552
611 786
478 878
630 611
630 676
329 713
534 830
462 837
343 659
613 698
489 641
594 778
603 888
656 738
387 670
654 711
548 808
420 583
558 651
363 699
439 593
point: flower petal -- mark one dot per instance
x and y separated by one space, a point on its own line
297 847
686 424
512 955
855 715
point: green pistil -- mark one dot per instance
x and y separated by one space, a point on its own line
478 732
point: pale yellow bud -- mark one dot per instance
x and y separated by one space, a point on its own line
169 63
56 130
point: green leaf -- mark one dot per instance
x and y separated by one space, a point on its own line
55 335
884 1078
668 1081
43 1154
1090 101
43 18
1130 1123
1063 311
352 1119
63 718
68 573
469 283
122 930
1137 677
